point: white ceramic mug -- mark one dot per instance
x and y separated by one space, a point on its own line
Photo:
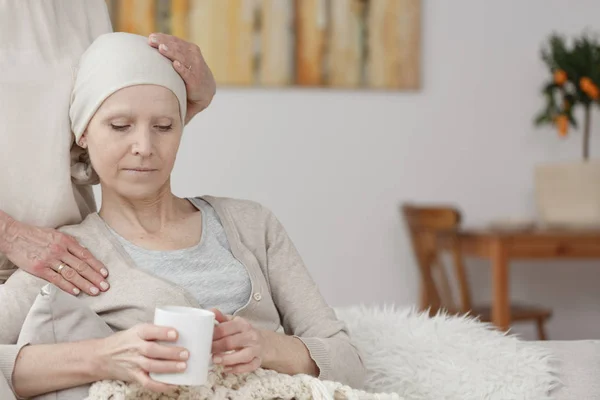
195 328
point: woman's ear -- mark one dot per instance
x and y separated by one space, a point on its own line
83 140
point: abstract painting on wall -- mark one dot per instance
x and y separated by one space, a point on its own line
356 44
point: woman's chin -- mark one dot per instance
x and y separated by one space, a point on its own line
139 190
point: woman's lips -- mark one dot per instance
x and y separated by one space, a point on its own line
139 170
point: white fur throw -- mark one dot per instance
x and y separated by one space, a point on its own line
446 357
406 353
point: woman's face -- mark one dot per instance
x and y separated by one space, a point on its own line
133 140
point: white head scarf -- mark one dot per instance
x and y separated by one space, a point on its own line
115 61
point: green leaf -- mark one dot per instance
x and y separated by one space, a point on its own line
549 88
542 118
571 119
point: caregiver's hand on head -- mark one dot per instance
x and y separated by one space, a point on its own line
189 63
237 334
131 355
51 255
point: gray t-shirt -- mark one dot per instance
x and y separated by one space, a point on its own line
209 271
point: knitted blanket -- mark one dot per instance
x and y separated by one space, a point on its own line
259 385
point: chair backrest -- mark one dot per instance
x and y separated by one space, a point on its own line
425 223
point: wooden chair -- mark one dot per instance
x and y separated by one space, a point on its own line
424 225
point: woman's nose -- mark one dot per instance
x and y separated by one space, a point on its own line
142 145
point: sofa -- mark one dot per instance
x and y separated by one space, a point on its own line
578 364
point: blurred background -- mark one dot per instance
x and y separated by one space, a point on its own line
334 113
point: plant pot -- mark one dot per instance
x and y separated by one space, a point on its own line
568 194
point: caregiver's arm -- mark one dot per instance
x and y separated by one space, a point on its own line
304 312
39 251
127 356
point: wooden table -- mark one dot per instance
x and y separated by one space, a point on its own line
503 246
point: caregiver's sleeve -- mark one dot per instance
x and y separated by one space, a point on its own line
304 312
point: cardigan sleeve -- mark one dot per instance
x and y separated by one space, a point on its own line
8 358
16 297
304 312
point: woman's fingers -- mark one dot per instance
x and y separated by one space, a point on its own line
245 368
162 352
219 316
244 356
175 356
230 327
155 332
134 353
144 379
161 366
235 342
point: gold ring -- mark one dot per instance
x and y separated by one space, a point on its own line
60 268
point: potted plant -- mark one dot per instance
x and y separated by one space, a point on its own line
569 193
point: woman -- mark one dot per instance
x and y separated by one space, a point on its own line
127 111
40 43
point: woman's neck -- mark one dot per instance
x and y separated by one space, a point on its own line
148 215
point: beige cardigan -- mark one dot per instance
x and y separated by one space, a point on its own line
284 296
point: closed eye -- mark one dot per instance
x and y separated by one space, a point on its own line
120 128
164 128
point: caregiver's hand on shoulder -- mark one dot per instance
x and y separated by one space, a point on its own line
132 354
188 61
51 255
237 335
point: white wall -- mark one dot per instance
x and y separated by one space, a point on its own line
334 165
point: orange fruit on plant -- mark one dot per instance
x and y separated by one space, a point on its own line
592 91
585 83
560 77
562 123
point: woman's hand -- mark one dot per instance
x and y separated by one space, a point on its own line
132 354
237 335
188 61
53 256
